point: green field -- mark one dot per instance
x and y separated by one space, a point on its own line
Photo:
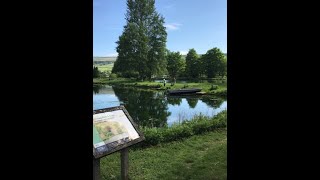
198 157
105 68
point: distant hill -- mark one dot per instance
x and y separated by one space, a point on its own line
113 59
109 59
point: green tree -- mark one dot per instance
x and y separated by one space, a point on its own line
213 62
96 72
193 64
222 67
175 64
157 42
141 47
126 63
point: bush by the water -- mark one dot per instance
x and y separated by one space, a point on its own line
198 125
113 75
221 93
214 87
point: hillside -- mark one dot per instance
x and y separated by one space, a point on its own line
113 59
108 59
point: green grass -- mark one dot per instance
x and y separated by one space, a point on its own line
105 68
198 125
205 86
113 81
198 157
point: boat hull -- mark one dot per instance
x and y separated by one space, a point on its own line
183 91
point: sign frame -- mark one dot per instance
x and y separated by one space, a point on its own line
97 155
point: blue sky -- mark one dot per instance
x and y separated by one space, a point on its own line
198 24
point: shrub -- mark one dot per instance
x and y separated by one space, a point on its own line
213 87
113 75
222 93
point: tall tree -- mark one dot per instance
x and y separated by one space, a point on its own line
193 64
175 64
157 43
141 47
213 62
96 72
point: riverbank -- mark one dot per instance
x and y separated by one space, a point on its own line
199 124
198 157
214 88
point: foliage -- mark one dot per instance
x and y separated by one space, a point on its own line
141 47
214 87
175 64
96 72
214 63
193 64
113 76
198 125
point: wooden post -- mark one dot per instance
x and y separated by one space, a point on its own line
96 169
124 164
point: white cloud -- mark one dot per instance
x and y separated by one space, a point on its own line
173 26
112 54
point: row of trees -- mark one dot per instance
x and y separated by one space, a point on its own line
211 64
142 49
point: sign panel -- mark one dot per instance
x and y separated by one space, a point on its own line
113 129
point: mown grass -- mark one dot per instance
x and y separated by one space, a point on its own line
216 87
198 157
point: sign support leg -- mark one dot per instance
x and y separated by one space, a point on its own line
124 164
96 169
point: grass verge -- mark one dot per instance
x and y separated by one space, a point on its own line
198 157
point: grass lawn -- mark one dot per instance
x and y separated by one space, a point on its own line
205 86
105 68
198 157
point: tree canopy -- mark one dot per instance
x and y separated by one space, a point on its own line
175 64
215 63
141 47
193 64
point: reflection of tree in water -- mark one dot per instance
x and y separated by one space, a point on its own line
212 101
96 89
174 100
147 108
192 102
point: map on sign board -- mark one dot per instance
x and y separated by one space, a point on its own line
110 130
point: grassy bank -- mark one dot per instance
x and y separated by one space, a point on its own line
198 125
118 81
198 157
216 88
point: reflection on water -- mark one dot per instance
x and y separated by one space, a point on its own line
155 108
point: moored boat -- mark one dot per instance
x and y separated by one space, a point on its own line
183 91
